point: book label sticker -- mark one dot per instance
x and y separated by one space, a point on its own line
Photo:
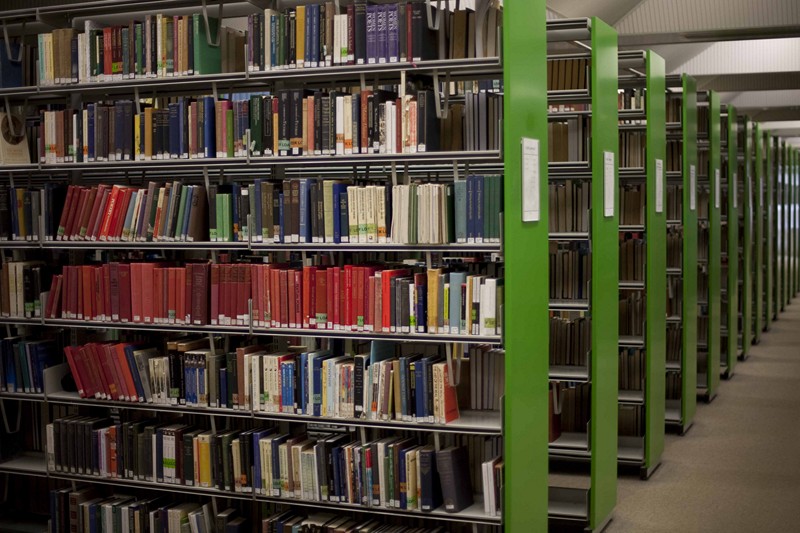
609 187
530 180
717 192
692 187
659 185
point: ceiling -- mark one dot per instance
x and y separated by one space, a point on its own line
747 51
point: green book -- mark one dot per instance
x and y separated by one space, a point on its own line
178 226
255 125
139 67
229 131
227 229
207 58
212 216
251 224
153 208
220 226
126 53
169 44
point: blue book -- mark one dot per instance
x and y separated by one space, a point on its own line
381 350
209 127
90 111
183 149
382 33
281 220
344 223
273 31
137 378
223 387
302 383
305 212
338 189
258 229
314 31
201 383
456 280
10 70
235 195
479 202
308 39
470 208
316 383
401 463
419 407
14 207
258 482
460 192
276 464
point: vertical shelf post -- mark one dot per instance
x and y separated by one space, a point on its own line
734 200
527 265
769 232
714 244
758 249
746 290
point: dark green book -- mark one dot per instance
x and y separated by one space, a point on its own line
207 57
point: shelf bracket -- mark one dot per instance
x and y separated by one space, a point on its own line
8 43
394 173
250 316
437 444
10 118
362 432
208 27
5 417
442 109
454 351
434 25
363 80
428 262
136 99
455 170
214 91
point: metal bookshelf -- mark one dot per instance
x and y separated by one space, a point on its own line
746 235
644 451
758 236
710 182
588 500
680 410
729 267
768 231
523 421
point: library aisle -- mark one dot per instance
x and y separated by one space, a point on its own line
737 468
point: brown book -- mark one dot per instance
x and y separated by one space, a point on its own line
459 35
295 210
200 286
197 216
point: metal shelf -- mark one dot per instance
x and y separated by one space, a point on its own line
28 463
24 396
569 305
569 373
635 397
632 228
630 341
569 236
631 285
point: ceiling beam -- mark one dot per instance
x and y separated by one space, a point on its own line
737 34
771 114
749 82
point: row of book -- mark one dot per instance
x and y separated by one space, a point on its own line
632 146
372 297
674 340
22 284
631 369
570 340
84 509
568 74
569 206
674 155
631 258
381 384
570 270
291 211
305 36
568 139
674 248
573 406
391 472
632 314
674 202
631 99
674 296
22 364
630 421
632 205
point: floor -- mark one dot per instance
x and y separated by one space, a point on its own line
738 467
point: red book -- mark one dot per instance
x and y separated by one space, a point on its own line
237 274
87 284
330 283
386 296
114 290
180 299
65 212
107 292
53 296
76 375
298 297
95 212
75 219
200 282
370 325
172 295
148 279
309 278
118 218
106 376
267 292
130 386
358 298
347 298
109 212
98 221
226 294
98 296
275 298
158 294
255 292
290 299
136 292
116 372
125 314
321 301
247 272
107 51
215 307
187 294
283 292
86 371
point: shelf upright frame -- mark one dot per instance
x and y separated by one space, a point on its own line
714 250
733 200
605 275
785 173
777 225
746 289
768 183
655 266
758 248
527 265
795 221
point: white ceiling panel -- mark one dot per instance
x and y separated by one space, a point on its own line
609 10
742 57
762 100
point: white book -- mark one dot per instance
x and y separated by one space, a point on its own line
348 123
371 213
362 214
488 318
340 125
380 213
352 213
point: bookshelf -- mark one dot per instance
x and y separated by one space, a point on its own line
522 416
779 150
593 496
681 384
643 330
794 221
768 229
759 247
746 228
730 265
785 202
709 263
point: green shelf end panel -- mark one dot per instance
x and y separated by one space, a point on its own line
794 224
526 259
784 224
655 264
767 217
714 244
689 221
732 320
746 290
779 162
605 274
758 248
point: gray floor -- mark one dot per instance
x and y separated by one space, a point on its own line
738 467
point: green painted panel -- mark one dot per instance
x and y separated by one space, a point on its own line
526 263
689 170
714 229
733 240
758 249
605 277
746 291
769 234
656 265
